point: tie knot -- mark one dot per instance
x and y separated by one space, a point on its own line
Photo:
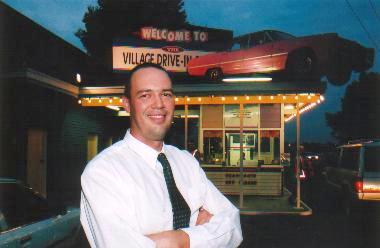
162 158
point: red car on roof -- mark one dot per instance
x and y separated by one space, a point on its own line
270 51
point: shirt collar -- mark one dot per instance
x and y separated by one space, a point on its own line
147 153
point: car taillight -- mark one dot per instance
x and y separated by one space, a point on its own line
359 185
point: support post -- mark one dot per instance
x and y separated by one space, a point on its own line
186 124
298 159
241 193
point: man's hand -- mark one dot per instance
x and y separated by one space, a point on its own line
203 217
171 239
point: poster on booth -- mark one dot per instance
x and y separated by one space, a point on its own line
172 58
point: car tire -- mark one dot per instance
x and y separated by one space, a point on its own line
339 76
214 74
302 65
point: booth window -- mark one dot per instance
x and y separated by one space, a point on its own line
270 146
232 116
212 116
249 144
270 116
213 147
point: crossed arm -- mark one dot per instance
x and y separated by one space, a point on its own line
178 238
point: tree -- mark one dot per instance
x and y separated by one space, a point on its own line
121 18
359 117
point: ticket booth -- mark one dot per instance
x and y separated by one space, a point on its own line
238 129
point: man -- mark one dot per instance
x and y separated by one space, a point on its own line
129 197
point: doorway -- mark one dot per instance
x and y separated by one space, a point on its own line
36 160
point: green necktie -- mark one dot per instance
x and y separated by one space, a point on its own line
181 211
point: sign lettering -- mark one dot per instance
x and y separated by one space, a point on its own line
172 58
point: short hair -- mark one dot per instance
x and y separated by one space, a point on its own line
127 86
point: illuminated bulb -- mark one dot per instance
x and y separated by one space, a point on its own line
223 98
78 77
110 100
259 98
247 98
284 97
100 100
199 99
322 98
319 101
308 97
89 100
271 97
121 100
296 97
235 98
188 99
176 99
79 101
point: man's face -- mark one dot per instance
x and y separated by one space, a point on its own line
151 105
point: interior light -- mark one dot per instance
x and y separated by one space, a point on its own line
247 98
289 107
284 97
176 99
235 98
322 98
116 108
199 99
248 79
123 113
271 97
223 98
188 99
259 98
79 101
79 78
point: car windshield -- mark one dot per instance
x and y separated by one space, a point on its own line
277 35
372 159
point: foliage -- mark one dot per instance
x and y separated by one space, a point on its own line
121 18
359 117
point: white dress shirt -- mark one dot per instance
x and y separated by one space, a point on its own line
124 197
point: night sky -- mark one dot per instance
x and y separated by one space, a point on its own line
297 17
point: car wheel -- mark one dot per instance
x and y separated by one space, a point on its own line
215 74
302 65
339 76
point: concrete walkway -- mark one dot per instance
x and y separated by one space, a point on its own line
269 205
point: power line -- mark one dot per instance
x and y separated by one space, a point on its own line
361 24
374 9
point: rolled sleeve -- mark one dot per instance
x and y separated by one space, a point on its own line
223 229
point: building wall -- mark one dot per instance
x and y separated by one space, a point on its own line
67 125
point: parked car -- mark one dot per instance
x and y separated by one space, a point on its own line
355 178
26 220
308 57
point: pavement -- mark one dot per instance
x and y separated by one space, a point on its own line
269 205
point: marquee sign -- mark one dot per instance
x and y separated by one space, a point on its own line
150 33
172 58
172 49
